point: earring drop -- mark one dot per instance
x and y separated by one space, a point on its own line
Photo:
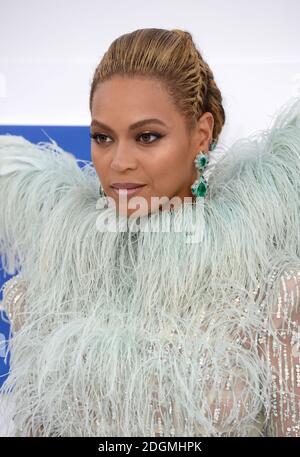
103 202
199 187
101 192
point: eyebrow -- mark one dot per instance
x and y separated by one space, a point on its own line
132 126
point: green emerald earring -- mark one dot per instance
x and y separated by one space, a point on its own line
101 192
200 186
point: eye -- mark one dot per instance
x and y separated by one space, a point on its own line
147 134
97 137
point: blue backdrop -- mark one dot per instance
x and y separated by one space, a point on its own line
73 139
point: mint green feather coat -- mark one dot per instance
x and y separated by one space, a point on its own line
145 332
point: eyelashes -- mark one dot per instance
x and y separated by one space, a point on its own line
95 136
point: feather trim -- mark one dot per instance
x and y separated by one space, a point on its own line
125 328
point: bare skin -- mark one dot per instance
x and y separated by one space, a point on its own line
165 165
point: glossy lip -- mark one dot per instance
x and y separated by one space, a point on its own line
127 192
127 185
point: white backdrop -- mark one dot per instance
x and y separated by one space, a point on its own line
48 52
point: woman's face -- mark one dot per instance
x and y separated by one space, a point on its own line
158 154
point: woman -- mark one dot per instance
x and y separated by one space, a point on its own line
135 316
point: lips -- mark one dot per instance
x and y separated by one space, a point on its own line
124 185
124 192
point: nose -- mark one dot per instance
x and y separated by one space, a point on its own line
123 159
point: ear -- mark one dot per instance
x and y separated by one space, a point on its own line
203 133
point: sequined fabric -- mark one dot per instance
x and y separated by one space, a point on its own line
13 296
284 358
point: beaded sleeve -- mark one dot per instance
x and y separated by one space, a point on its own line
13 300
283 357
13 303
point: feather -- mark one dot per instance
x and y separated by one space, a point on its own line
125 326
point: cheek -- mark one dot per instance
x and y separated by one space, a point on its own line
96 155
98 162
171 165
167 171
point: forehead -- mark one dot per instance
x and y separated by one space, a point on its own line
137 96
